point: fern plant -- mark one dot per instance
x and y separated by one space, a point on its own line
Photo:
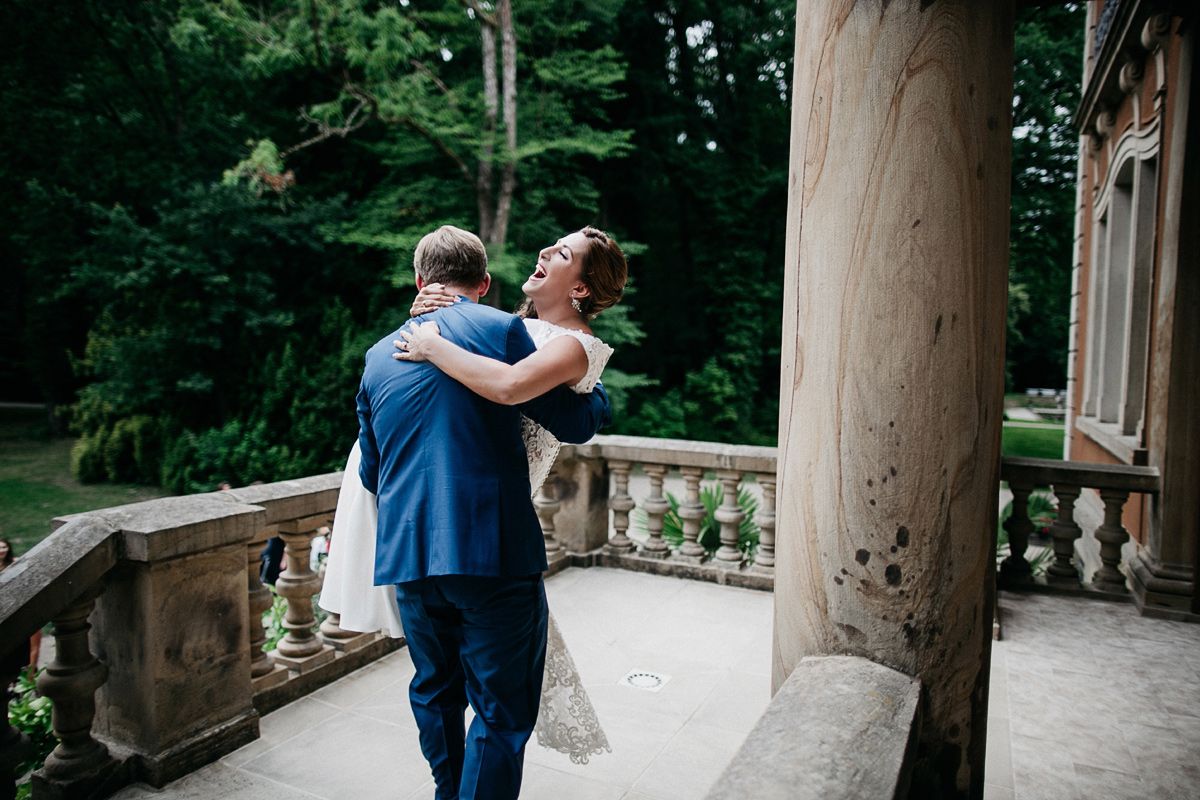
711 497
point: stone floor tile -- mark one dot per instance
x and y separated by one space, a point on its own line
362 683
1093 783
993 792
423 792
281 725
736 703
636 739
544 783
1041 768
691 762
997 768
347 756
684 693
217 781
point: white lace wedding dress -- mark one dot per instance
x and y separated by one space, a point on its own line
566 719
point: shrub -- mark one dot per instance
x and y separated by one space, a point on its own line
29 712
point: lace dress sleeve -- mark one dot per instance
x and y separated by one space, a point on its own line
540 445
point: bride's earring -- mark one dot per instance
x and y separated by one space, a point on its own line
575 304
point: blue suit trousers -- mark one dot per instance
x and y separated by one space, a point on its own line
482 641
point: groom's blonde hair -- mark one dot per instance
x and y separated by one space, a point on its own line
451 256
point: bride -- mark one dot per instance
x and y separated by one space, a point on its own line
575 279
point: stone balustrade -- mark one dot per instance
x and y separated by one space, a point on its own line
654 489
156 607
156 611
1067 480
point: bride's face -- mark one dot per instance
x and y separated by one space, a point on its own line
558 269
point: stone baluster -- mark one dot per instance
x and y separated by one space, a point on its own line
621 504
1111 535
13 745
340 639
730 516
300 649
765 558
71 681
1015 568
546 504
1064 531
655 506
264 672
691 512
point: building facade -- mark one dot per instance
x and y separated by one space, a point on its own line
1134 365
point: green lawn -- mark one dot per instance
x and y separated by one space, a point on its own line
1041 441
36 483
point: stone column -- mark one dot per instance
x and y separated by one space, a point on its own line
893 355
1164 570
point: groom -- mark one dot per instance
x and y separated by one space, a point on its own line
457 531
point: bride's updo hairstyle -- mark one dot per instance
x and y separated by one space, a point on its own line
602 269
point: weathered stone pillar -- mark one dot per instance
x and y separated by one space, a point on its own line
893 355
171 627
581 485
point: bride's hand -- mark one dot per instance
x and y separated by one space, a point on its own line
432 297
417 341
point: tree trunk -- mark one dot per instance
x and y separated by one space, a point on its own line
491 104
508 180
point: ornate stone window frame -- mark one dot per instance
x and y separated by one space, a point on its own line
1119 298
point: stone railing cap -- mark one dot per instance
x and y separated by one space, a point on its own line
681 453
294 499
53 574
840 727
1045 472
174 526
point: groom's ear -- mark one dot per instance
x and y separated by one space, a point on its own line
420 282
485 284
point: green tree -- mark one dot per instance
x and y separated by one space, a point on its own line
706 191
1046 76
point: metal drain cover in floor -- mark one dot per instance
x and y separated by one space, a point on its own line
645 680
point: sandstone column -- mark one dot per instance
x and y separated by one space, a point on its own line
893 354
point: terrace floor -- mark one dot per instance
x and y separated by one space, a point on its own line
1089 700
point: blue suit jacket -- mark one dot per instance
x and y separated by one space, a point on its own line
449 467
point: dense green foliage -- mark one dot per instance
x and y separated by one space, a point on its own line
30 712
217 204
1046 78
